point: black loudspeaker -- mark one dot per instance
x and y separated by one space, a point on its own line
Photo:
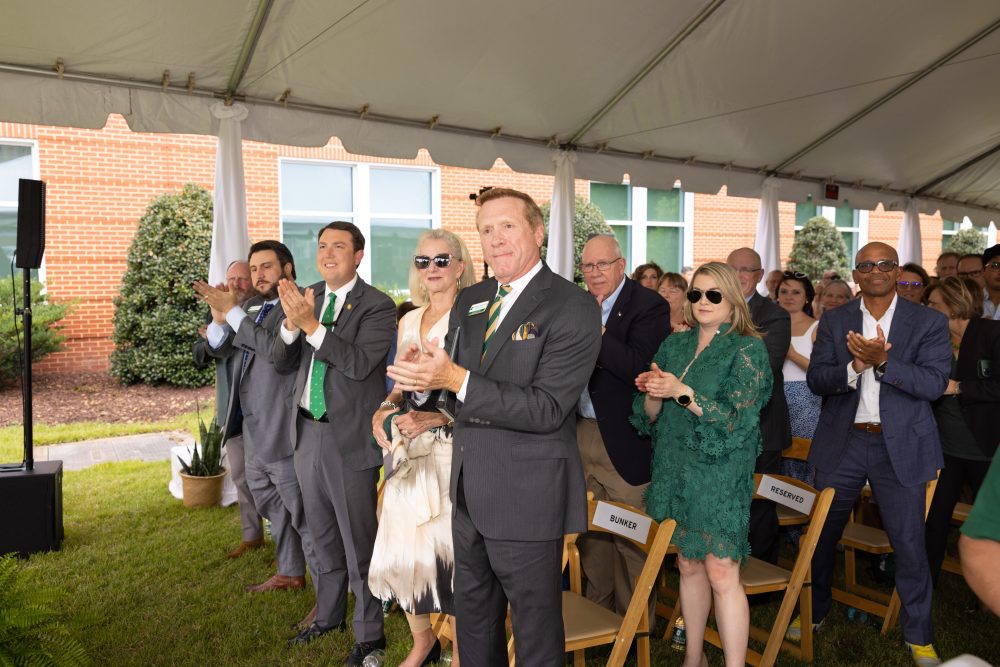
30 224
33 513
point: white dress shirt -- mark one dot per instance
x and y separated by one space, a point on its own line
517 287
216 333
316 338
586 406
868 407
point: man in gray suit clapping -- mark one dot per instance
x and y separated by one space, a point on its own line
525 344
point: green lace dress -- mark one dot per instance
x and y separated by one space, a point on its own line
703 466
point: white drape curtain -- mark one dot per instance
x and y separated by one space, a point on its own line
559 253
909 248
230 236
767 242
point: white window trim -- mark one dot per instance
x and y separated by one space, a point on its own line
360 195
35 175
860 224
638 225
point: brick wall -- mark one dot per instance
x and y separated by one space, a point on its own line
99 183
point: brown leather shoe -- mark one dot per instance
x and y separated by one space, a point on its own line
278 582
307 621
245 547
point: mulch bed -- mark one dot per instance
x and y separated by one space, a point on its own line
76 397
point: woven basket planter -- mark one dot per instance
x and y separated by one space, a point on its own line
202 491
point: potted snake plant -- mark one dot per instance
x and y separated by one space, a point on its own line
202 478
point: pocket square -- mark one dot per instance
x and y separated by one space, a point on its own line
526 331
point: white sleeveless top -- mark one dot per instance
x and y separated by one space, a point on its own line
410 328
803 345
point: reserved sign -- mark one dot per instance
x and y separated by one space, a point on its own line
787 494
621 521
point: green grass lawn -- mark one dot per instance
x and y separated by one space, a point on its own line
144 581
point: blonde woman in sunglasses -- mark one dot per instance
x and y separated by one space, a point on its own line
413 561
700 404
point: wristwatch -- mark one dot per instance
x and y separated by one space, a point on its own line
880 369
683 400
389 404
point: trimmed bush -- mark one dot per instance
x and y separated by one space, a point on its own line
156 313
970 241
818 248
587 221
46 336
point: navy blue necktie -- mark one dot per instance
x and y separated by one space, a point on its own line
260 318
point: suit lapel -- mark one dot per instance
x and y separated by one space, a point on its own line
900 331
620 306
475 325
350 303
525 303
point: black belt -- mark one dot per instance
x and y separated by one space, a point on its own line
869 427
305 414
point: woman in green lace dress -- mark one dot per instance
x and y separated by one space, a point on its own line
700 404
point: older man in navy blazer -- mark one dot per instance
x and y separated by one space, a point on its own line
878 362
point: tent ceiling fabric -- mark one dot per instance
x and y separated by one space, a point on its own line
744 86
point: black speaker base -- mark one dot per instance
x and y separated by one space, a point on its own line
33 513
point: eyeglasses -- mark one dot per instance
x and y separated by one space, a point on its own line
600 266
713 295
423 261
798 275
993 266
909 284
970 274
883 265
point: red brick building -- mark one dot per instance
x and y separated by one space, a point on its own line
99 183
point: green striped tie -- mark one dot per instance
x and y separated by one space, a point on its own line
494 320
317 401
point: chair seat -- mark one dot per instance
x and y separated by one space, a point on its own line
583 619
866 538
758 573
789 517
961 512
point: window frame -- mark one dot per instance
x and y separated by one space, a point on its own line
361 197
13 204
859 229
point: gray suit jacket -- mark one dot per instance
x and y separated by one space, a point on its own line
774 322
515 434
355 353
261 391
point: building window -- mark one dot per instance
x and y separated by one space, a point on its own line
391 206
948 229
852 223
17 161
651 225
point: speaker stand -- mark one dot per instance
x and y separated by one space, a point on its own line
29 436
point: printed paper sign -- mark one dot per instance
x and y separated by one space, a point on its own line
787 494
622 521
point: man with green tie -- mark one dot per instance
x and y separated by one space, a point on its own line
336 337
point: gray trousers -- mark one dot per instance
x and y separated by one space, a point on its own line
250 521
276 493
340 511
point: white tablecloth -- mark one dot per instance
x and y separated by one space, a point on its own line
177 490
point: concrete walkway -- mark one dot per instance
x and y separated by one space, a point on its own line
145 447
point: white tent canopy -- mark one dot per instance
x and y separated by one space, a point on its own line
890 100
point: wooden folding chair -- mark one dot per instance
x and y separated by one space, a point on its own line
588 624
761 577
958 516
799 450
859 537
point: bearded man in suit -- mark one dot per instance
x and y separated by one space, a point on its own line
524 345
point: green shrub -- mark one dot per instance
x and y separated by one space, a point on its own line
587 221
818 248
30 632
46 336
970 241
156 313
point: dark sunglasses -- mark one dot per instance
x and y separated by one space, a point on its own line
714 296
440 261
883 265
798 275
907 284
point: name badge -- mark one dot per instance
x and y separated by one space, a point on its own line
477 308
253 309
786 494
622 521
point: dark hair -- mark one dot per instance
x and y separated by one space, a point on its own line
972 255
357 238
280 250
403 308
806 285
913 267
639 270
